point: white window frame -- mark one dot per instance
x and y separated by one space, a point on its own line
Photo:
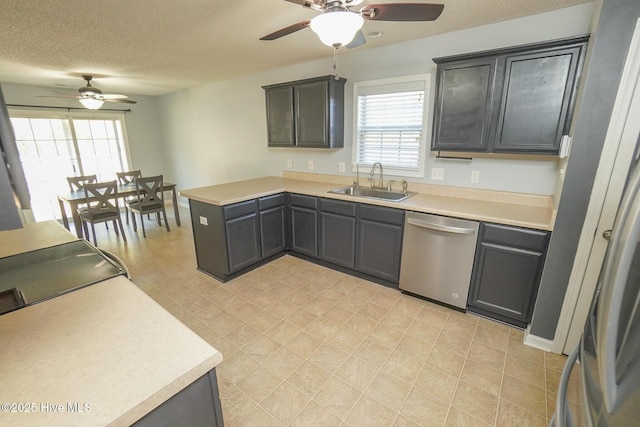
80 115
391 85
70 116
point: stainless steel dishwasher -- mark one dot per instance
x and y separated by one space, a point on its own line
437 257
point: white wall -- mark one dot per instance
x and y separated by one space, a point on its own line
217 133
143 133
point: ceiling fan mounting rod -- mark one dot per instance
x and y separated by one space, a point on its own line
335 6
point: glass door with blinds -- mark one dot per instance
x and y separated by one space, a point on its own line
53 148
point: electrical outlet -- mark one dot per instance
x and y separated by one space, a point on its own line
204 220
310 165
289 163
437 174
475 176
341 166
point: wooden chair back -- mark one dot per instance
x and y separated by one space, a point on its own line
102 199
150 193
77 182
128 177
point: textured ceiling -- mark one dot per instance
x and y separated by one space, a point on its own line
153 47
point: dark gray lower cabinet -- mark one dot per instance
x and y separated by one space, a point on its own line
272 224
337 231
360 239
357 238
379 245
507 270
304 224
243 237
232 238
196 405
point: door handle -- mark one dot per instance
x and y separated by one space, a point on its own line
606 234
440 227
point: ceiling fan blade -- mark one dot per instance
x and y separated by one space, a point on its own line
287 30
123 101
107 96
358 40
63 92
402 12
58 96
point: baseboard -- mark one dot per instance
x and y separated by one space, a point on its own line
535 341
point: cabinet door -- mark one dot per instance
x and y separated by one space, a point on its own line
243 241
272 231
312 114
280 127
379 248
304 230
507 272
538 95
464 105
337 239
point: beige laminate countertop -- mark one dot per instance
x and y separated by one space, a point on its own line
108 345
33 236
457 204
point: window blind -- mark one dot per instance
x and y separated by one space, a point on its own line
389 127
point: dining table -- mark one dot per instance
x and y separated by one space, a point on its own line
75 198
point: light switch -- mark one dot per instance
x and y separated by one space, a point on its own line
204 220
437 174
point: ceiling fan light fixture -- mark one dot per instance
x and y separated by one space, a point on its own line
91 103
337 28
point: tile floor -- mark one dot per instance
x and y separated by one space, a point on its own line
304 345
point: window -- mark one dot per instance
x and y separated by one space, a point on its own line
53 147
390 124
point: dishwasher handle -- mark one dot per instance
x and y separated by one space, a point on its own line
440 227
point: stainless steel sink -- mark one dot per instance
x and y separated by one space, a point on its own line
372 193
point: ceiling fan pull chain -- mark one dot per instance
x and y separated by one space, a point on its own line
335 62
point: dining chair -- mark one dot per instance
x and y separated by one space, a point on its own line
77 182
102 206
150 199
125 178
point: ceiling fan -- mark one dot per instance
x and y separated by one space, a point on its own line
91 97
338 25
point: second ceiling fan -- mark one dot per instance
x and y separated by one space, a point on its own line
340 26
90 96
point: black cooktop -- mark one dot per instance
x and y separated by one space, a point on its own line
36 276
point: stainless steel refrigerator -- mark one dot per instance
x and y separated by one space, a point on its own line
609 350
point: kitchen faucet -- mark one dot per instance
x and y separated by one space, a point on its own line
372 173
356 183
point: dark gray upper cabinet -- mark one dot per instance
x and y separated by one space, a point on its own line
306 113
464 104
519 99
280 116
506 274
